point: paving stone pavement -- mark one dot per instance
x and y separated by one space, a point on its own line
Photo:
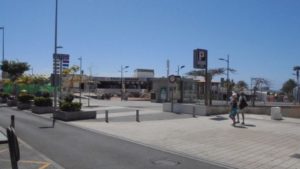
260 143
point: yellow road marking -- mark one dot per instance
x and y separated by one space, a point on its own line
44 165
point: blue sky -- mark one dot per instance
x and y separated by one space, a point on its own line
261 36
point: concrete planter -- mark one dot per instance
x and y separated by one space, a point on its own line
11 103
42 110
75 115
24 106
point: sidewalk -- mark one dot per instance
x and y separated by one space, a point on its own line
30 158
261 143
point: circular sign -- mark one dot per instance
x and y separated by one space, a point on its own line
172 79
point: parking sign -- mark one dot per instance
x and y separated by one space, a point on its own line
200 58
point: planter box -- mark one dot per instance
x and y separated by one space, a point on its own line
76 115
11 103
42 110
24 106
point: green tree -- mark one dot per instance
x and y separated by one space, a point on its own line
288 87
15 69
241 85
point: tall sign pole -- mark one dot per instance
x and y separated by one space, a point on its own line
55 68
200 62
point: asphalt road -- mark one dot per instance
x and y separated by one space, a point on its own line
76 148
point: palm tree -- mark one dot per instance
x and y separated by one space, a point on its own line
71 71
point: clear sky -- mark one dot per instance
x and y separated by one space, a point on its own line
262 37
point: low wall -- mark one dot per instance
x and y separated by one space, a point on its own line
292 111
199 109
202 110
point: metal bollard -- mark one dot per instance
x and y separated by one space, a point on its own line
137 116
13 146
12 121
194 112
106 116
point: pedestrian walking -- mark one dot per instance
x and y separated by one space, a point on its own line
242 105
234 105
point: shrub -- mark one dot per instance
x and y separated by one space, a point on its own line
69 98
106 96
42 94
46 94
43 101
70 106
4 95
25 97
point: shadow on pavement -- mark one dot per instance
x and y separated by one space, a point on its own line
239 126
46 127
219 118
250 125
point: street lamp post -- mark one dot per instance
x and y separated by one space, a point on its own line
227 88
80 59
178 69
2 28
122 81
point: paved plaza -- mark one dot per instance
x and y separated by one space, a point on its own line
260 143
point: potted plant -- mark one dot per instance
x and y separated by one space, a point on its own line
42 104
24 101
70 110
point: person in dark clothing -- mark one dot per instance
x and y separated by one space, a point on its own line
242 105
